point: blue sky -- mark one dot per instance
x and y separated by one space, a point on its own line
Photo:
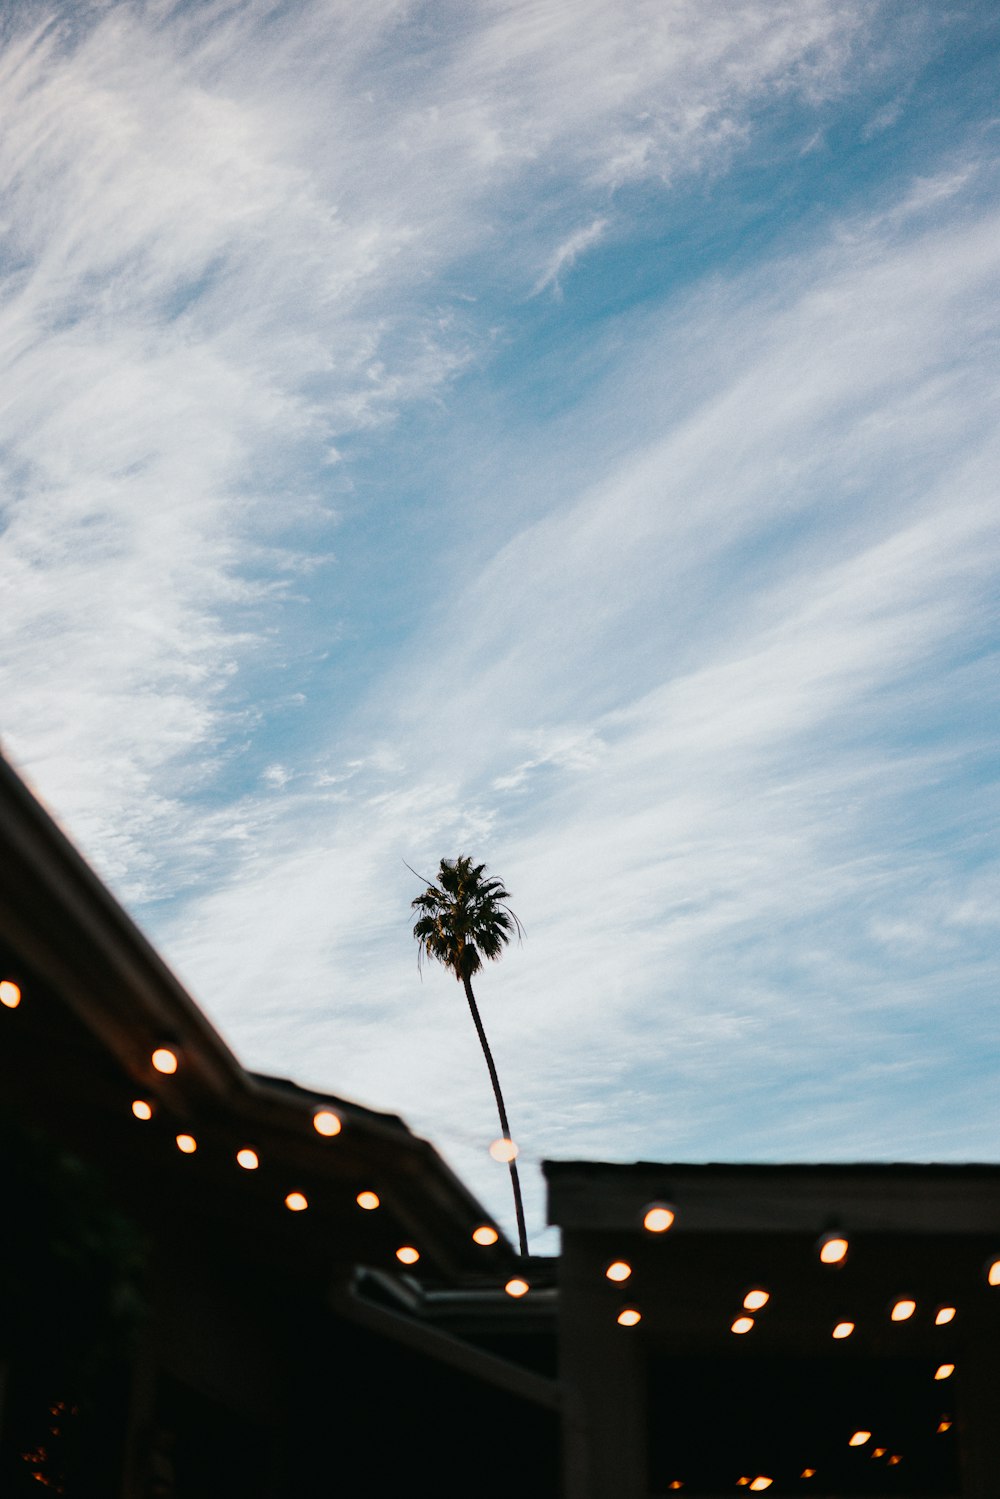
559 433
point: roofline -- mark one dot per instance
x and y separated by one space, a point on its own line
876 1196
412 1330
700 1170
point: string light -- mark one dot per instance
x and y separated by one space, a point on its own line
993 1274
843 1329
187 1144
878 1452
903 1310
485 1234
517 1287
618 1271
894 1461
658 1217
407 1255
326 1122
10 994
141 1109
248 1159
504 1150
760 1483
629 1316
943 1426
833 1249
164 1060
296 1202
742 1324
944 1314
808 1473
860 1438
944 1371
754 1300
368 1200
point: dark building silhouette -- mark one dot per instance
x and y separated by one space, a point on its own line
751 1363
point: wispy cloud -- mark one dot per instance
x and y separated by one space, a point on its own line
568 253
222 227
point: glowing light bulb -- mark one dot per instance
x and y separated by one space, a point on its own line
878 1452
164 1060
296 1202
843 1329
944 1314
860 1438
808 1473
187 1144
833 1249
503 1150
761 1483
248 1159
754 1300
903 1310
141 1109
658 1217
368 1200
517 1287
618 1270
894 1461
742 1324
326 1122
993 1274
485 1234
943 1426
10 994
629 1316
407 1255
675 1484
944 1371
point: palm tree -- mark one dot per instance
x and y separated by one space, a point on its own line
463 919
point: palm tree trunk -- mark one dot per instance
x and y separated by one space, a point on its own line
505 1127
